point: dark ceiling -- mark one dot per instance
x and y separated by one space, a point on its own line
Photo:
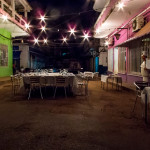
60 14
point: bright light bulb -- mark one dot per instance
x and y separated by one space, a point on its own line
120 5
36 40
27 26
72 31
45 40
64 39
106 43
43 28
86 36
97 31
5 17
42 18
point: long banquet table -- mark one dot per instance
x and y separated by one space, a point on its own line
50 79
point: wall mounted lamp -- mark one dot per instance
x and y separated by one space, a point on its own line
117 35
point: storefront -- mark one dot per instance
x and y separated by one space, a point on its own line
127 37
5 53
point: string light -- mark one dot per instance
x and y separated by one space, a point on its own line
86 36
64 40
27 26
42 18
43 28
72 31
45 41
36 41
5 17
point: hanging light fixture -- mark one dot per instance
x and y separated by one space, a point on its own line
43 28
86 36
45 41
36 41
64 39
42 18
72 31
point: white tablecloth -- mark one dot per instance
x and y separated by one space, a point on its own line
104 78
49 79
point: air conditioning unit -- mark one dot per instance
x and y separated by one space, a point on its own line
138 23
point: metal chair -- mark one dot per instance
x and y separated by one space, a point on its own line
140 85
61 81
35 83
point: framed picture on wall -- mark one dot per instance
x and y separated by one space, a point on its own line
3 55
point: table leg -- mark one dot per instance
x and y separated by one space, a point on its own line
145 108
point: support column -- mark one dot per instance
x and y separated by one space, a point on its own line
2 4
13 8
25 13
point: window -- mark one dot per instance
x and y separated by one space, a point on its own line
135 51
3 55
110 60
122 59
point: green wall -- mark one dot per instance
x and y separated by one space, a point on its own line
7 70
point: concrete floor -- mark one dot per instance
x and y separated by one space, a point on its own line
101 121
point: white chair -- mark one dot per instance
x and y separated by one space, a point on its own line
49 81
61 81
16 83
35 83
82 86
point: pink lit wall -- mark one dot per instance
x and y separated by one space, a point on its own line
128 24
125 36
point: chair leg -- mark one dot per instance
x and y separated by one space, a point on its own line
86 89
135 103
41 93
55 92
29 94
65 92
12 88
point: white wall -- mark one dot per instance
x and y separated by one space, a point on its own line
110 60
103 59
116 60
24 56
